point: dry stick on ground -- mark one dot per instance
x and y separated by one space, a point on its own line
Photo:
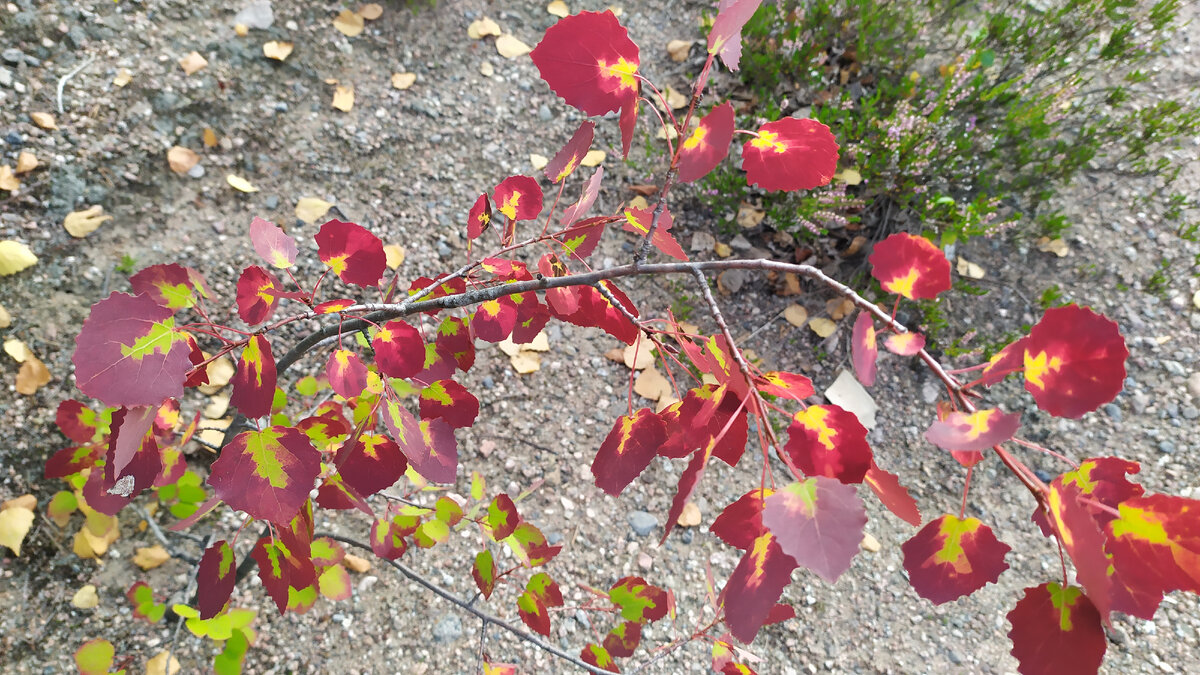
467 607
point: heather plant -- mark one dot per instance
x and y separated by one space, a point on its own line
965 119
369 423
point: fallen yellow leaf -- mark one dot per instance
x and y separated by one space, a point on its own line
395 255
241 29
240 184
219 372
796 315
1056 246
651 384
124 77
14 257
370 11
480 28
593 158
8 180
210 138
403 80
839 308
640 357
690 516
525 362
343 98
749 216
5 318
969 269
181 159
24 502
617 11
356 564
487 69
277 50
675 99
639 202
558 8
85 598
26 162
17 350
538 162
163 663
678 49
14 525
348 23
217 406
43 120
32 376
80 224
849 176
510 47
822 326
149 557
311 209
722 250
192 63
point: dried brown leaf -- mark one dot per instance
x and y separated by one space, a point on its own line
348 23
80 224
181 159
193 63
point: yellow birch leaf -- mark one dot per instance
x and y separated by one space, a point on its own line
17 350
403 80
192 63
14 525
8 179
749 216
240 184
14 257
311 209
639 202
210 138
678 49
32 376
163 663
722 250
796 315
182 159
149 557
617 11
26 162
220 372
80 224
480 28
356 564
690 516
593 158
558 8
348 23
85 598
510 47
969 269
5 318
849 176
839 308
343 98
525 362
370 11
822 326
1056 246
394 254
43 120
538 162
278 50
539 343
124 76
639 355
675 99
651 384
486 69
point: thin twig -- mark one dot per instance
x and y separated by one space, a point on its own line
162 537
62 81
466 607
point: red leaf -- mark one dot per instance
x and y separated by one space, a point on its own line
818 522
571 154
627 450
910 266
589 61
254 381
905 344
1155 543
429 445
725 38
624 639
864 349
172 286
973 431
1074 361
272 245
582 238
258 293
576 211
70 461
479 219
484 572
1103 479
1008 360
1084 541
518 198
215 578
784 384
707 145
790 154
346 372
76 421
639 600
268 474
950 558
454 338
825 440
741 522
449 401
1056 631
129 428
373 463
638 221
353 253
688 481
281 567
533 613
130 353
399 349
336 495
755 586
494 320
893 495
627 123
598 656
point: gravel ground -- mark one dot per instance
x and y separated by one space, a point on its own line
408 164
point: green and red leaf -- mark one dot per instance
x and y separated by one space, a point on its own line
387 539
172 286
399 349
258 293
272 244
352 252
826 440
429 445
818 523
1074 361
215 578
598 656
622 640
707 145
502 516
546 589
975 431
530 546
638 600
484 572
1083 540
1158 536
638 221
951 557
628 450
130 352
1056 631
76 421
533 613
454 338
334 583
254 381
449 401
1103 481
589 61
581 239
282 567
910 266
755 586
567 159
790 154
141 596
373 463
864 348
268 474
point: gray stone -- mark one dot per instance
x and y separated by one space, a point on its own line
444 250
6 77
75 37
271 202
582 618
13 55
544 113
740 243
1166 448
1193 383
196 171
643 523
448 629
1190 412
258 14
1114 411
1174 367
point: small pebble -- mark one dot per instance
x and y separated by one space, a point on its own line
643 523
